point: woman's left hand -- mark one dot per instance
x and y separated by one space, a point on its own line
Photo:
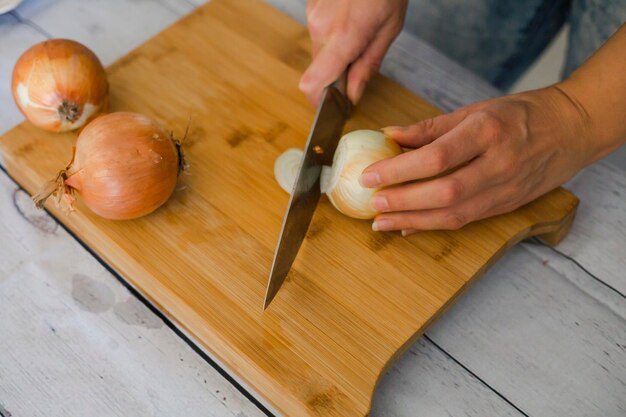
482 160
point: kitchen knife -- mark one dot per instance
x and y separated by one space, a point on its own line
332 114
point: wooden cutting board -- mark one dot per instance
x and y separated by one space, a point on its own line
355 298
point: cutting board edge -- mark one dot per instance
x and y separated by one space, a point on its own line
551 232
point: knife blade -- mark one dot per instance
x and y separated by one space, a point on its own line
332 114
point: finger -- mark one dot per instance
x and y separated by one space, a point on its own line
451 150
367 65
445 191
331 60
449 218
424 131
436 219
491 202
408 232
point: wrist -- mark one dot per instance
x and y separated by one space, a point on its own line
600 136
567 121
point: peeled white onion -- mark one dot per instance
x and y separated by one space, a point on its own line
340 182
356 151
60 85
286 168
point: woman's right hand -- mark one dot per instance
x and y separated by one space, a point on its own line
345 32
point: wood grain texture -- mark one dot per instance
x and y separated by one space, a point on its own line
355 299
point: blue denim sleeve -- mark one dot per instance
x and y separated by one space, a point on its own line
500 39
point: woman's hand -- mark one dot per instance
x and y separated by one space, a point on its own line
479 161
492 157
345 32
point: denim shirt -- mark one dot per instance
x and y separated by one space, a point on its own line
500 39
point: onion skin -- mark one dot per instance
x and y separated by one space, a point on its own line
60 85
125 166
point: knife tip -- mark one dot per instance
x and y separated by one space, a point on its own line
269 297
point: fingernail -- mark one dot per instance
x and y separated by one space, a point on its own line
408 232
380 203
370 179
382 225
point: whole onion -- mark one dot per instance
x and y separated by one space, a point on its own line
59 85
124 166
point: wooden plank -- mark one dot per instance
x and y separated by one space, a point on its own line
543 334
427 382
597 239
324 356
75 342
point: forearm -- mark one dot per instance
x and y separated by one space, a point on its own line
598 91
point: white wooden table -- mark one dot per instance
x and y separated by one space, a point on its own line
542 334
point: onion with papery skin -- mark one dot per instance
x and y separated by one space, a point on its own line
60 85
340 182
124 166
